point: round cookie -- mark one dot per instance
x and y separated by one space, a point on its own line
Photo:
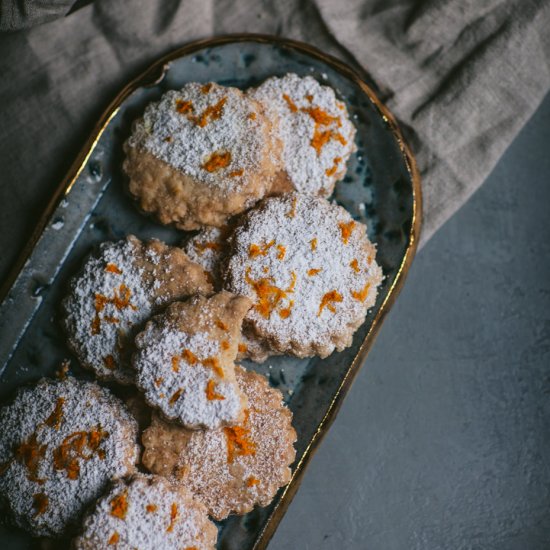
311 271
230 470
118 289
149 513
61 443
184 361
200 155
314 126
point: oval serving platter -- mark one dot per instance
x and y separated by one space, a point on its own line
381 189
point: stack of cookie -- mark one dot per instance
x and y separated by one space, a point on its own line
273 269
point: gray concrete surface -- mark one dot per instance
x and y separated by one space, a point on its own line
444 440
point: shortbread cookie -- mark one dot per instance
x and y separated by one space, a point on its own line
311 271
149 513
116 291
314 126
61 442
200 155
185 361
229 469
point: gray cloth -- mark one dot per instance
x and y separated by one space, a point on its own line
462 77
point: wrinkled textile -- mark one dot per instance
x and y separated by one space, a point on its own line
462 76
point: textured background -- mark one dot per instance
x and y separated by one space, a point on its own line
443 441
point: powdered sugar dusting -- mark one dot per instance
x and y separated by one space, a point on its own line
107 299
60 444
233 477
315 129
310 299
206 249
152 514
176 380
186 128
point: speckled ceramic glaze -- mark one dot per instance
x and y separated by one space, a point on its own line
381 189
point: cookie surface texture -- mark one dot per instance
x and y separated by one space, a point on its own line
60 445
149 513
230 469
115 292
200 155
311 271
315 129
185 361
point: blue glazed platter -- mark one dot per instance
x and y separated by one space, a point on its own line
381 188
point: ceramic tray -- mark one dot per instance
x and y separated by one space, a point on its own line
381 189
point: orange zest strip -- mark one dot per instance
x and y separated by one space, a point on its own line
243 348
217 161
236 173
188 356
328 301
354 264
255 250
292 212
214 364
119 506
114 538
221 325
281 252
238 443
54 420
211 393
313 244
290 103
66 456
313 272
109 362
120 299
183 107
225 345
40 503
173 517
176 363
29 453
346 230
361 295
251 481
269 295
112 268
176 395
212 112
206 88
159 381
151 508
321 117
331 171
285 313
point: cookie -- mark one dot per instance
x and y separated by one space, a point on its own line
116 291
149 513
230 470
184 361
61 443
314 126
200 155
311 271
254 348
